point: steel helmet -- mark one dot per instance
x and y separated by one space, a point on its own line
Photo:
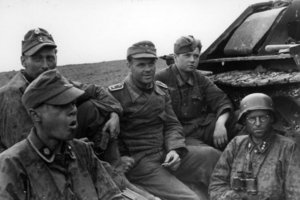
255 101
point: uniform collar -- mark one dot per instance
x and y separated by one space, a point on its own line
179 79
135 92
44 152
263 147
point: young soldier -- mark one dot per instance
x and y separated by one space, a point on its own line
201 107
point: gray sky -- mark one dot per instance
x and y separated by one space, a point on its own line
101 30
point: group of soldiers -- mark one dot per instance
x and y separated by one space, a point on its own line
169 135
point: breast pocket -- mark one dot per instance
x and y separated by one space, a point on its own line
198 104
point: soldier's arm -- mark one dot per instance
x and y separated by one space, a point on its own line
13 181
216 98
105 180
292 175
124 185
219 188
15 123
104 100
173 131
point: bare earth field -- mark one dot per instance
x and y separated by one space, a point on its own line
103 73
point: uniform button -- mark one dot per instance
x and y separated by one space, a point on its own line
46 151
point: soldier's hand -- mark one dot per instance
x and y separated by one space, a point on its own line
112 126
127 163
220 136
124 164
172 160
154 198
86 140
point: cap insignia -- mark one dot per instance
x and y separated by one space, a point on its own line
37 31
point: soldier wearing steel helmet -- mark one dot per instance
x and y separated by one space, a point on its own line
260 164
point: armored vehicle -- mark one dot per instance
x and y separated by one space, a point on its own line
260 52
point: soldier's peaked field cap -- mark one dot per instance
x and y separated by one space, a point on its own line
143 49
186 44
51 88
35 39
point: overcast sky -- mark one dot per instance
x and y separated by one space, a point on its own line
101 30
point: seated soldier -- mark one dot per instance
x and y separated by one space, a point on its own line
97 109
49 163
201 107
152 135
260 164
39 55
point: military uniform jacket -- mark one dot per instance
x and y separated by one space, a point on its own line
28 170
149 123
197 102
274 165
15 124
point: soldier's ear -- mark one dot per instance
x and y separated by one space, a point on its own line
128 64
23 61
34 114
175 58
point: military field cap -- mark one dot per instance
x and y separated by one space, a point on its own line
186 44
35 39
143 49
51 88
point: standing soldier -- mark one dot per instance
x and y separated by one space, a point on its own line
260 164
201 107
152 135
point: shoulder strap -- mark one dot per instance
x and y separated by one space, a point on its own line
116 87
161 84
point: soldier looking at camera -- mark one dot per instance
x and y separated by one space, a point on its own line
260 164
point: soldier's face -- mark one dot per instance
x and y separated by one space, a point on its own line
187 62
58 123
143 70
258 123
40 62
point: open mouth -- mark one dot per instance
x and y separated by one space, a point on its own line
73 124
